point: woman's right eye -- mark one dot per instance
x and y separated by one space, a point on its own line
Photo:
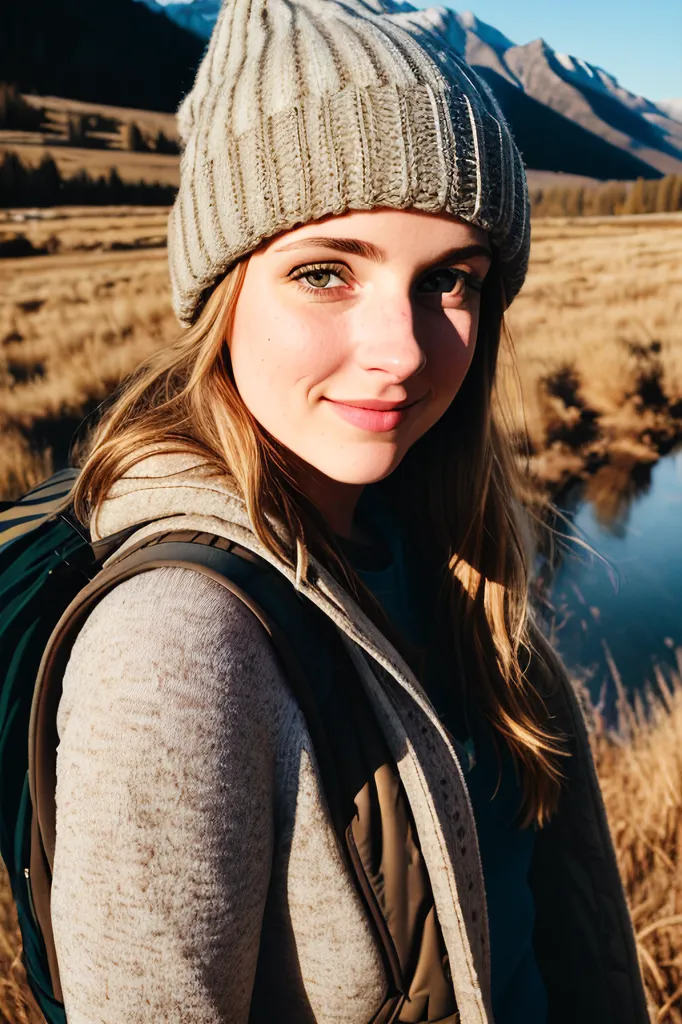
319 275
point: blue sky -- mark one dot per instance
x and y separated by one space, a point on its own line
639 42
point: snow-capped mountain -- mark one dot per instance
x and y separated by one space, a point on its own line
673 108
486 33
197 16
567 115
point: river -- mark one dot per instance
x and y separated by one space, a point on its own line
631 607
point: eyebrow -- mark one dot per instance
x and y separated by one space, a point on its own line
369 251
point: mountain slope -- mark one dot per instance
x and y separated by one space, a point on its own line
672 108
551 142
106 51
567 115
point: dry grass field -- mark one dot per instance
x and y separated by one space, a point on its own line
73 325
598 337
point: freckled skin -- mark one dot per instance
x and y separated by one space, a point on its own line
400 330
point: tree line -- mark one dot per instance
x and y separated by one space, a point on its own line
84 130
43 185
661 195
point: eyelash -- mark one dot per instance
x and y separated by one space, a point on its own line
469 280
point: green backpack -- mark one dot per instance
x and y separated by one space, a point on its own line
51 577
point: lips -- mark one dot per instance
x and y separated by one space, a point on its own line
376 404
373 415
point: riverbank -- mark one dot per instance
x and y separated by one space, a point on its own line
640 770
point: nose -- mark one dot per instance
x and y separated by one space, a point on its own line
389 343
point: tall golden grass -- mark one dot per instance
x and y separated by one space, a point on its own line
640 769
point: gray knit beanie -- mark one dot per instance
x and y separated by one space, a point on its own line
305 108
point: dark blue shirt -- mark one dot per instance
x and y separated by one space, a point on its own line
518 992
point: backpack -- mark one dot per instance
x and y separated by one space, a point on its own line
51 577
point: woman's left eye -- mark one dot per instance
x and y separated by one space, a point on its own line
453 281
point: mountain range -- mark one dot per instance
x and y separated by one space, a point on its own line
566 115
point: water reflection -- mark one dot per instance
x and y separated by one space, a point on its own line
611 493
631 605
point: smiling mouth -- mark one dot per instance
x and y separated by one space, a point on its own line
383 418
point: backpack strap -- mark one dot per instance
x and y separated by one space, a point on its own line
228 564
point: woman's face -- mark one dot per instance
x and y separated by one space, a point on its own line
353 334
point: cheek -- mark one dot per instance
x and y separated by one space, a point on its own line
276 359
450 355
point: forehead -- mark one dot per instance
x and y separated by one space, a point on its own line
384 231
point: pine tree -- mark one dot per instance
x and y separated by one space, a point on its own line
574 202
676 194
590 200
664 194
650 195
77 188
5 104
115 187
132 138
15 112
620 195
162 144
635 202
75 129
45 182
14 180
605 200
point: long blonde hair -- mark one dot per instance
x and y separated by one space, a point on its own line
456 489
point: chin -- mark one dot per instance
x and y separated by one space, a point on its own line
365 468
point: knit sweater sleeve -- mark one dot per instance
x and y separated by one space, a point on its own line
168 729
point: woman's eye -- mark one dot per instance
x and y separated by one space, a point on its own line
318 278
451 281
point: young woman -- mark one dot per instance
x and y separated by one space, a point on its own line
351 223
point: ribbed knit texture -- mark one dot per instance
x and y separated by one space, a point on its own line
305 108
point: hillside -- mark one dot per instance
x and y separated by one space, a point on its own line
116 52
